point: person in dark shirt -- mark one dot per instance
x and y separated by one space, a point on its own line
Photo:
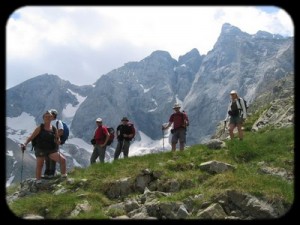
46 145
50 165
125 133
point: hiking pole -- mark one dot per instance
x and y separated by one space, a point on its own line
223 129
23 148
163 136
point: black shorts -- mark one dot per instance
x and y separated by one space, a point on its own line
42 152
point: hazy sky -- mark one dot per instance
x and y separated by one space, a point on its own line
81 43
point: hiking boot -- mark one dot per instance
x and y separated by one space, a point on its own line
38 181
45 176
64 176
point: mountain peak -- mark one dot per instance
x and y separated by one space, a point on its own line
228 28
160 53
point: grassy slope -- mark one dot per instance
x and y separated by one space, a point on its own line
274 147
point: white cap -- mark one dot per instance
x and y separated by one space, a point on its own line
176 105
98 120
233 92
53 111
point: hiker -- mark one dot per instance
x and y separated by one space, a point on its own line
125 133
236 115
180 122
50 165
46 144
101 136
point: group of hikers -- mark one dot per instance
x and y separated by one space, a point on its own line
125 133
50 131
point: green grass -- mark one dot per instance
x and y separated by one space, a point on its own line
271 147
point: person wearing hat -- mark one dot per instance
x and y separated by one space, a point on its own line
125 133
50 165
236 115
46 144
101 136
180 122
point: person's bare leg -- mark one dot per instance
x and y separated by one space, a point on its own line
181 146
58 157
39 167
173 147
231 128
240 131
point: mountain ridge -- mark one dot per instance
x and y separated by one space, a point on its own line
145 91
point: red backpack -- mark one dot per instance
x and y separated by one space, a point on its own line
131 125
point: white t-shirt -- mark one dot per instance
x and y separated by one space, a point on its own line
59 125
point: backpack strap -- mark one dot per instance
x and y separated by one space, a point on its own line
41 127
54 129
182 114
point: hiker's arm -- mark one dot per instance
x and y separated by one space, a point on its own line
244 109
227 115
60 132
57 136
106 139
32 136
186 121
60 127
166 127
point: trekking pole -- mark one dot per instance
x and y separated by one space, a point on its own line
23 148
163 136
223 129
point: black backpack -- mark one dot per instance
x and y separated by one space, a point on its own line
65 135
126 129
111 132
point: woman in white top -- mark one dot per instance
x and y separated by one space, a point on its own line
237 114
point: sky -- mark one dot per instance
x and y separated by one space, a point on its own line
82 43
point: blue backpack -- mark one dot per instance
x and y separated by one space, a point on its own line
65 136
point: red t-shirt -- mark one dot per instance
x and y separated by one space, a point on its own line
100 134
178 119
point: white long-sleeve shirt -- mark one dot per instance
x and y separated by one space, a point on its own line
240 105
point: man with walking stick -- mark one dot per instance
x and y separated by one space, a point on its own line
180 122
125 133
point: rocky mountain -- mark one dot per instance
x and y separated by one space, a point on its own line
246 63
145 91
